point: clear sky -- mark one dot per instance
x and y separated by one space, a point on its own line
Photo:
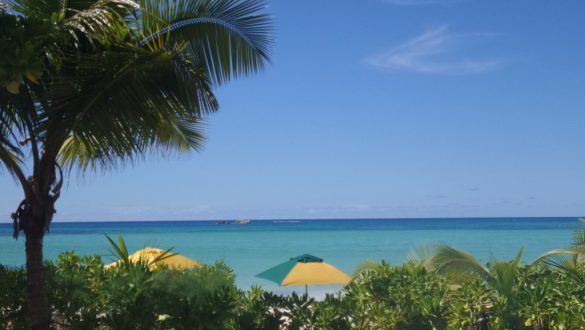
379 108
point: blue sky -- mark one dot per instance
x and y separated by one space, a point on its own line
379 108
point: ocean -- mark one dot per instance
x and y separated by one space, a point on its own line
250 249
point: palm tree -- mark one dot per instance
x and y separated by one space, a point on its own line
96 84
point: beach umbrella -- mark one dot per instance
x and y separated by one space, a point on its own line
156 258
305 270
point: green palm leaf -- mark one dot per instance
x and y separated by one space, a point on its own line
570 261
119 249
365 266
120 252
227 38
139 104
579 236
456 263
103 20
11 131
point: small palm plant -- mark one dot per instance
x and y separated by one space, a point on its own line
458 264
120 251
569 261
502 276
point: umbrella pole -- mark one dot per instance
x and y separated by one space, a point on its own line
306 289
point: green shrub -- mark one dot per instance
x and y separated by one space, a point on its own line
76 290
129 300
12 298
199 298
550 300
257 309
405 297
332 314
471 304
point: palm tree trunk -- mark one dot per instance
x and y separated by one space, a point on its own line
38 314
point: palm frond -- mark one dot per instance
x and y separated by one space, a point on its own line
553 253
40 9
11 129
456 263
559 262
518 259
139 102
119 250
579 236
11 158
178 133
570 261
504 273
365 265
569 265
139 79
421 255
567 261
163 256
103 20
227 38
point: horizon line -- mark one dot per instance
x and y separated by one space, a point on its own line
322 219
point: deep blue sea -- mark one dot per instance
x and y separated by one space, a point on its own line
250 249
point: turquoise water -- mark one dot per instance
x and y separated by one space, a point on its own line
250 249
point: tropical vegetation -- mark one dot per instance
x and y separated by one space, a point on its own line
444 288
96 84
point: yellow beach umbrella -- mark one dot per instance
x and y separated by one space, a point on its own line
156 258
305 270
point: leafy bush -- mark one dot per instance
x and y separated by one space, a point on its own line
551 300
256 309
200 298
130 302
12 298
76 290
387 297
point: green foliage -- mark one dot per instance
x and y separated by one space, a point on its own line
76 287
500 295
470 305
85 295
256 309
459 267
507 295
550 300
569 261
121 78
195 299
407 297
120 252
12 298
130 302
24 41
